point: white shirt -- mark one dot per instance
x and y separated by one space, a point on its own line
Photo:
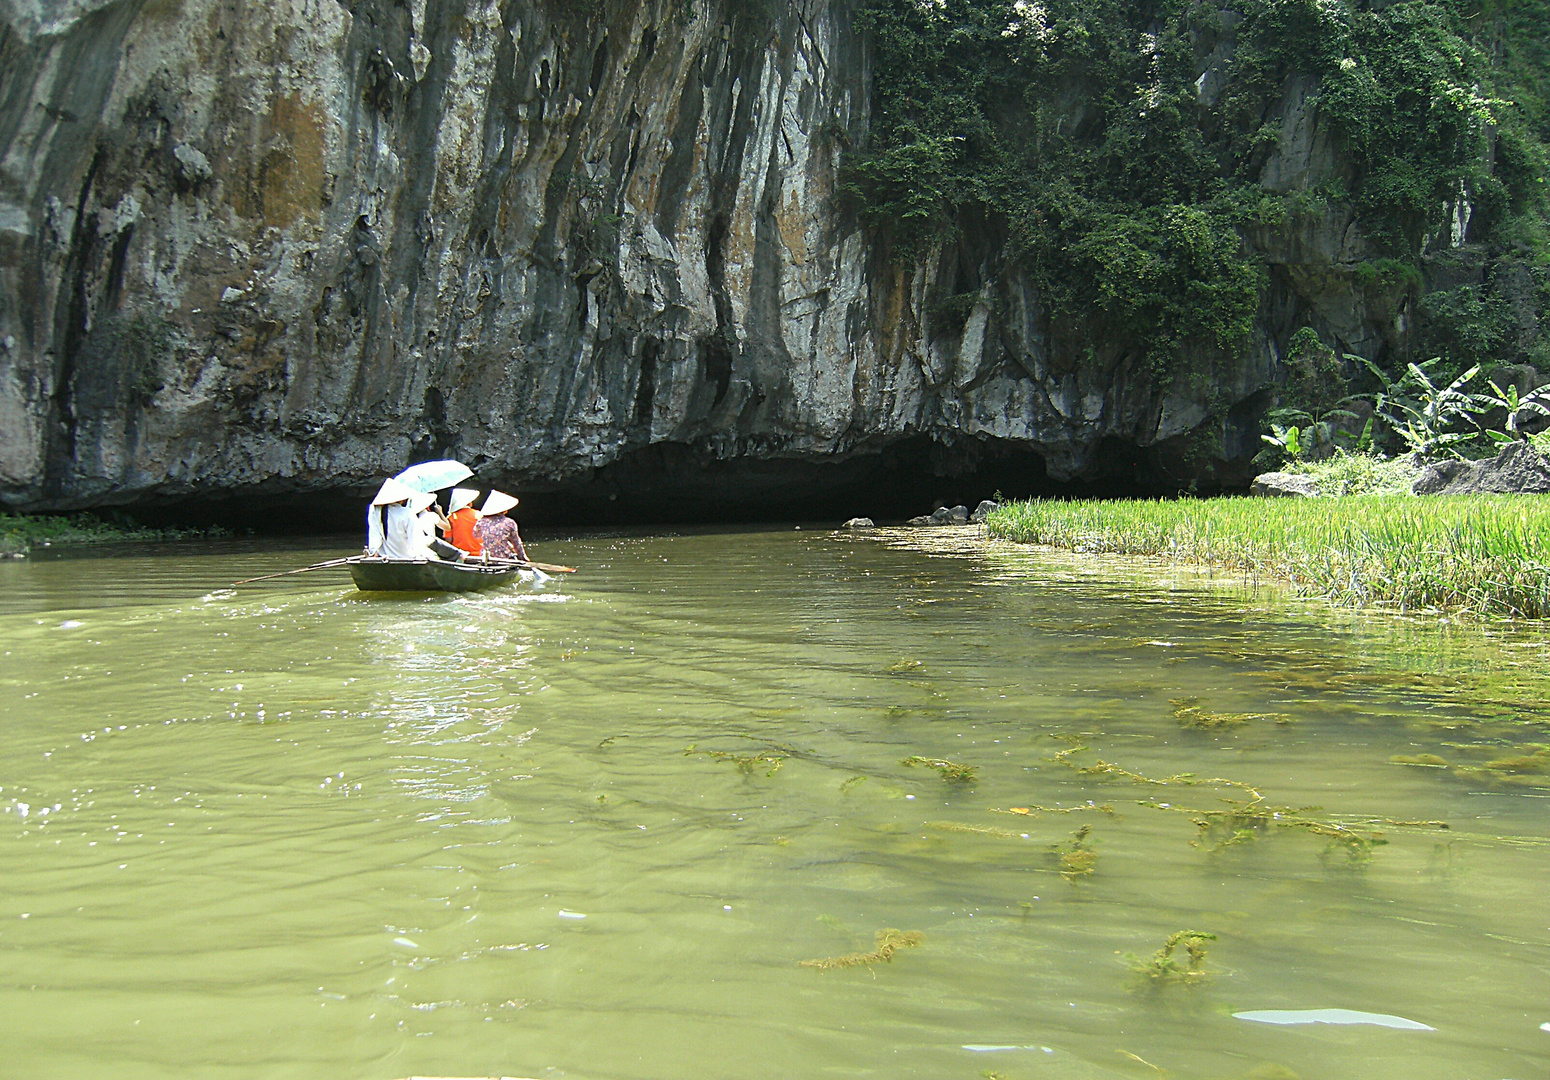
428 527
374 530
404 537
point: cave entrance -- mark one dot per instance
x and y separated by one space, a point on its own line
668 484
675 484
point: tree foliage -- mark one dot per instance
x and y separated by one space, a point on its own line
1123 143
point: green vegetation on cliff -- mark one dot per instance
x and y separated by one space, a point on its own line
1140 156
19 533
1486 555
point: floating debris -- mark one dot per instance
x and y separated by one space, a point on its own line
950 770
1429 761
1076 855
888 942
1031 810
1523 765
1331 1016
1164 966
1188 713
1243 820
904 665
747 764
1136 1057
1108 768
983 830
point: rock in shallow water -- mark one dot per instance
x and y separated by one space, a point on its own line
983 511
945 515
859 523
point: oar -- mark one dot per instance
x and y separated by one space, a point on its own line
288 573
548 568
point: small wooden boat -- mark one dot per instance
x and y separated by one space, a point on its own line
395 575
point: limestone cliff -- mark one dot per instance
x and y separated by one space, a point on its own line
297 244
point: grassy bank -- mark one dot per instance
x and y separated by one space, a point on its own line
19 533
1488 555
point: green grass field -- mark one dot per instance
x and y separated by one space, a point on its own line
1486 555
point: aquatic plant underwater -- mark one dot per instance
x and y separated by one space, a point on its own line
888 942
1224 821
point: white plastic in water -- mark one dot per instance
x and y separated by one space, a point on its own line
1331 1016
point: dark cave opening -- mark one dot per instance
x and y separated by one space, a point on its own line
675 484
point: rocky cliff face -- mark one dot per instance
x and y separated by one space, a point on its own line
296 244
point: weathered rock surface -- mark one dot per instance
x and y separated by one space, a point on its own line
859 523
943 515
1286 485
1517 469
295 245
983 511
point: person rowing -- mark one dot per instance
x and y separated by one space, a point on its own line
497 533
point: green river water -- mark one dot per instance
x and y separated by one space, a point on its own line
295 831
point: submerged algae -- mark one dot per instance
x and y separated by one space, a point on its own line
1164 967
950 770
889 942
1076 855
747 764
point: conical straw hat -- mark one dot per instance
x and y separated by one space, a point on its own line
497 502
461 497
392 492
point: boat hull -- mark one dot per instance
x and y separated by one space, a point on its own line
383 575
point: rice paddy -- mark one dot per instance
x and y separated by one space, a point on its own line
1485 555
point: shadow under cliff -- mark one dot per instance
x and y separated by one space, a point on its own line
674 484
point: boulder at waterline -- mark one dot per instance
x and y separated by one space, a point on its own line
943 515
859 523
983 511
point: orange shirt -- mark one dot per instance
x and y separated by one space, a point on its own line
463 530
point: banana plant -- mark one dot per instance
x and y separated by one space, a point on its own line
1534 403
1424 415
1288 440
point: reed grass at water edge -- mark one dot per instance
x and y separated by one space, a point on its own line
1486 555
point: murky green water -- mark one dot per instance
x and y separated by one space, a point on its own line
293 831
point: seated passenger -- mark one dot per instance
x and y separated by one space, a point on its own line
463 519
410 529
392 493
497 532
431 522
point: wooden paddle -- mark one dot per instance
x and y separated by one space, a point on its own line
288 573
548 568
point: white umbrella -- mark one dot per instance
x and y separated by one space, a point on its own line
434 475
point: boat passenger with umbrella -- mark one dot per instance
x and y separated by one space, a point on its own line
403 554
